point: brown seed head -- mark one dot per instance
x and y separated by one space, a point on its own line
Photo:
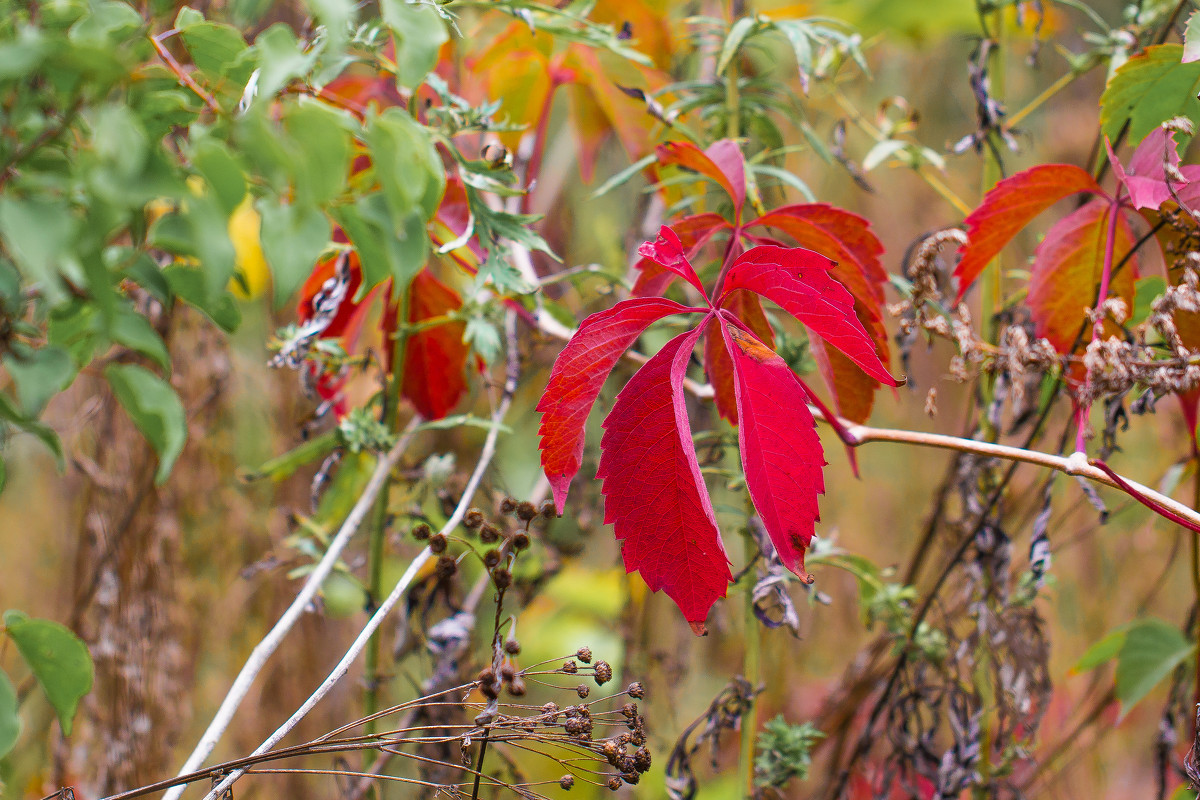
446 567
491 558
520 540
582 690
512 647
570 667
548 510
516 686
641 759
508 505
566 782
473 519
489 534
421 532
526 511
603 673
437 543
584 654
502 578
614 784
636 690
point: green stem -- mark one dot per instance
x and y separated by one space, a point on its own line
732 101
992 285
752 673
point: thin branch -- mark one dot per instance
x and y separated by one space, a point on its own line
181 73
401 587
265 648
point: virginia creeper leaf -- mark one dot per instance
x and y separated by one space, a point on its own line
1149 89
693 233
1009 207
1067 266
1145 178
722 162
781 452
717 363
577 377
799 281
435 358
667 251
655 497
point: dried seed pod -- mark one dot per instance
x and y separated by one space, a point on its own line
584 654
630 711
507 671
502 578
473 519
630 777
610 752
603 673
437 543
516 686
489 534
566 782
614 784
491 558
570 667
508 505
641 759
446 567
548 510
636 690
627 765
582 690
520 540
421 531
551 712
526 511
512 647
488 684
573 726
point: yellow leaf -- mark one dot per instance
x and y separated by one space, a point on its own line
252 272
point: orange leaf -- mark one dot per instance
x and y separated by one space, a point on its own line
435 358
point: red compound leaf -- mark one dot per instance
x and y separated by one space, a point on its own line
655 497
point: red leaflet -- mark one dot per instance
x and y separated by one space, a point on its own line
435 358
579 373
798 281
1009 207
747 308
722 162
693 233
1145 179
781 452
654 495
667 251
1067 266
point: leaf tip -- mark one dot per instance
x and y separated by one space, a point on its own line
698 627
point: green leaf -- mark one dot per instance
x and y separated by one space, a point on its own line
1146 289
320 152
134 331
336 16
38 233
188 282
39 374
738 34
407 164
1191 39
385 250
43 432
292 240
1152 649
10 720
156 410
1102 651
221 171
419 33
624 175
282 59
58 659
1149 89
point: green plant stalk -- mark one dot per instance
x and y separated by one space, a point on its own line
732 101
751 671
992 283
1195 548
375 546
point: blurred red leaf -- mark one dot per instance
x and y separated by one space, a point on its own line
781 452
1009 207
579 373
1067 267
435 358
1145 177
655 497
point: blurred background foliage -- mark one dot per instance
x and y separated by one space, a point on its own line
225 551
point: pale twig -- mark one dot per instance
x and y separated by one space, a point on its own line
265 648
401 587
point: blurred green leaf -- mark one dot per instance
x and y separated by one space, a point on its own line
221 171
1152 649
292 240
44 433
1101 652
39 374
419 32
320 152
282 59
10 721
39 232
134 331
58 659
156 410
407 165
213 47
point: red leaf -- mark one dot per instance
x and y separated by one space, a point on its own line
577 377
722 162
853 390
1146 177
717 363
435 359
667 251
1009 207
655 497
781 452
693 232
1067 266
798 281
